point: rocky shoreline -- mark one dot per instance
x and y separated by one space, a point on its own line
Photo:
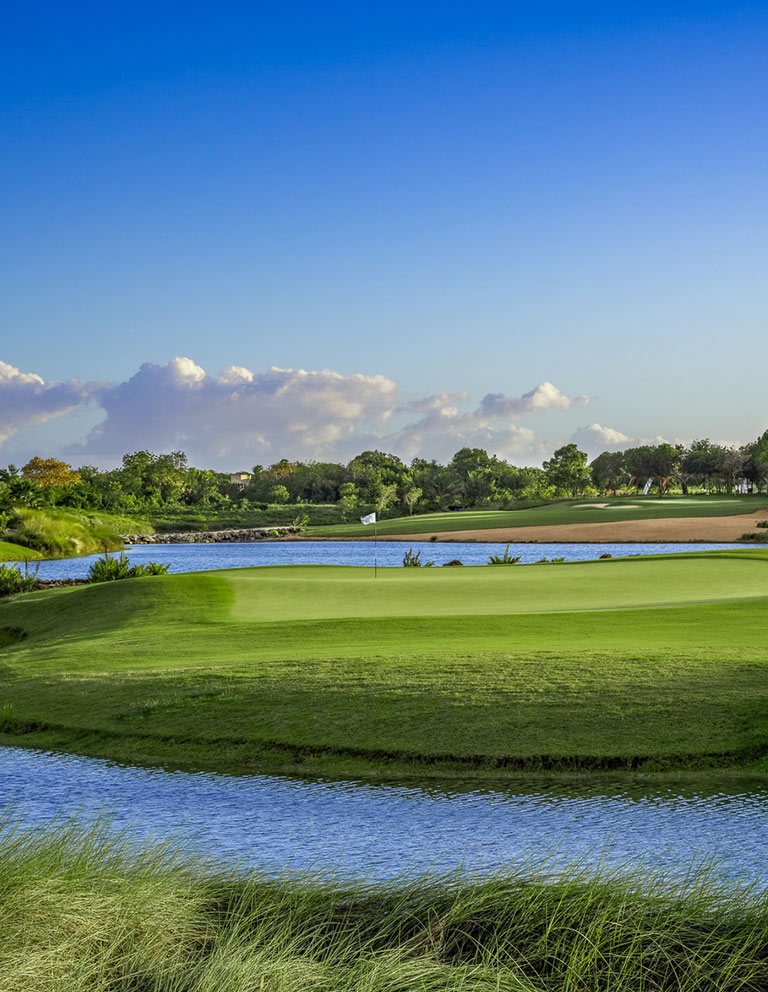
231 536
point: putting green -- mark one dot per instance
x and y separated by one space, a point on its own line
329 592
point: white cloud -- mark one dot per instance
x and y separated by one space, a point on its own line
595 438
240 417
544 397
27 399
443 429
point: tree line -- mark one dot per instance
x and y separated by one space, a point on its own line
147 482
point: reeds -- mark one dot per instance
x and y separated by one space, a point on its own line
84 909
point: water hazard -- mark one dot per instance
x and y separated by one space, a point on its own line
203 557
383 832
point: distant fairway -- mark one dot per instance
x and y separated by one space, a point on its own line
564 512
483 671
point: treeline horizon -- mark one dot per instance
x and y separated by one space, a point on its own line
147 482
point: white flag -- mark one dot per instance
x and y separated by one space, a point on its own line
647 487
370 519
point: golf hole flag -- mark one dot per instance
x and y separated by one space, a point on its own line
370 519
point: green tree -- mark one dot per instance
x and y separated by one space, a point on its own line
411 498
385 497
348 499
660 462
608 472
279 494
567 470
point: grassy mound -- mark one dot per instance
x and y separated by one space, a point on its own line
81 910
619 664
57 533
15 552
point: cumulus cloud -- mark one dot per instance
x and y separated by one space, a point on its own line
443 429
239 417
544 397
595 438
27 399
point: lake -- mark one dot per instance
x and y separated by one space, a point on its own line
203 557
389 831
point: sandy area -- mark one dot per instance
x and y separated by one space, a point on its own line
670 529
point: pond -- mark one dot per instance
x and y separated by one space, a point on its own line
389 831
203 557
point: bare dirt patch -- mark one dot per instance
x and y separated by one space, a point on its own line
666 529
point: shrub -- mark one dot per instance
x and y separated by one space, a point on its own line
13 580
505 559
412 559
754 538
108 569
762 523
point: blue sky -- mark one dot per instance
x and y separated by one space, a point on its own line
464 199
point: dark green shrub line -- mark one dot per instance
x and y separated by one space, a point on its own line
85 909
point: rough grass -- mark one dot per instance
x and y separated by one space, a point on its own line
82 910
58 533
326 670
571 511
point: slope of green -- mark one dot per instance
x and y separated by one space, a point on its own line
84 911
15 552
621 663
572 511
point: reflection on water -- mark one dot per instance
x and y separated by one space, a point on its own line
203 557
383 831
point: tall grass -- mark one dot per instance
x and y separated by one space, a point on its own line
84 909
62 533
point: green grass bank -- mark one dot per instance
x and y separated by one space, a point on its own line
15 552
56 533
642 664
82 910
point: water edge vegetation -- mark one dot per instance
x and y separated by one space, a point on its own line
83 908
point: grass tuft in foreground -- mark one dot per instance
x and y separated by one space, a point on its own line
84 909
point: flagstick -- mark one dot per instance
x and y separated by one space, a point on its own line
375 558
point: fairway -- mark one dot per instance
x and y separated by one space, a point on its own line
577 511
654 663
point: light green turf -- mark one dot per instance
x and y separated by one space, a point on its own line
315 592
15 552
326 670
572 511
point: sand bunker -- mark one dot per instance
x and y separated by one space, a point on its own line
667 529
607 506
